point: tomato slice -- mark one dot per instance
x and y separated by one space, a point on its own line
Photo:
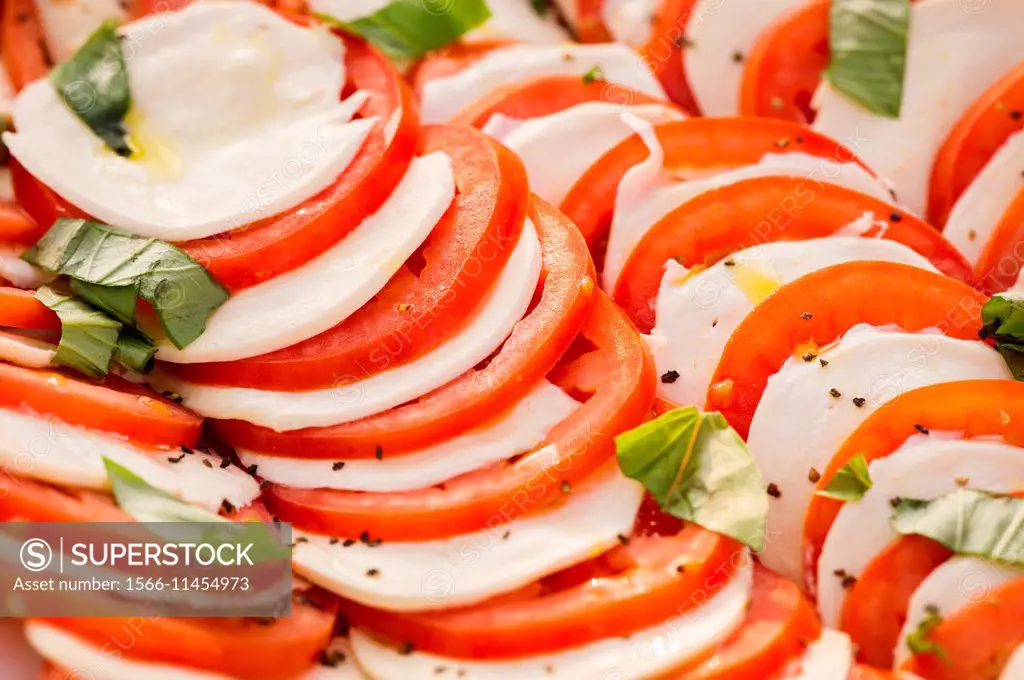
665 53
783 70
115 406
1002 258
276 245
20 309
24 52
545 95
976 408
590 27
877 603
981 130
755 211
27 500
978 639
777 627
862 672
693 147
536 344
617 380
635 586
414 313
16 226
835 299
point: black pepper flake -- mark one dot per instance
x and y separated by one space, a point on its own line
961 481
1016 114
730 262
185 449
172 396
265 484
774 491
680 568
338 465
806 316
921 428
226 507
207 463
809 357
505 535
859 402
895 501
379 453
682 41
406 649
623 539
823 362
895 217
440 669
225 462
669 377
301 539
737 57
349 542
835 393
334 540
566 487
373 573
332 658
848 582
813 476
252 469
176 459
799 139
782 143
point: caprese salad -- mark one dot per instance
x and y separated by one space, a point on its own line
689 351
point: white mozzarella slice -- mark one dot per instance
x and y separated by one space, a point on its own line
649 653
926 466
19 272
629 21
84 660
521 429
1014 668
484 332
830 657
721 33
648 191
980 208
557 149
799 424
442 98
474 567
262 132
697 314
952 57
67 24
26 351
953 585
71 456
294 306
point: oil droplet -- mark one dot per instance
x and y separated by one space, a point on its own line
755 284
690 273
150 149
721 393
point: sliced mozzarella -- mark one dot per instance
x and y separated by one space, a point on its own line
524 427
26 351
952 57
645 654
19 272
442 98
1014 668
697 314
720 35
924 467
557 149
980 208
71 456
799 424
295 306
474 567
648 191
953 585
68 23
830 657
497 314
629 21
85 660
261 133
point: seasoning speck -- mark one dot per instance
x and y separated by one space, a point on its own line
859 402
338 465
669 377
921 428
373 573
379 453
774 491
813 475
835 393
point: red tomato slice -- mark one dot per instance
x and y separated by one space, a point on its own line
836 299
861 672
115 406
1001 260
981 130
24 55
755 211
978 639
610 369
590 26
782 71
26 500
276 245
20 309
977 408
693 147
535 346
664 54
414 313
545 95
16 226
877 603
777 627
635 586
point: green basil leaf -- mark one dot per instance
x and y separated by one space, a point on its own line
1002 320
408 29
595 74
116 268
540 7
88 337
868 45
968 522
851 481
918 641
93 84
698 469
134 351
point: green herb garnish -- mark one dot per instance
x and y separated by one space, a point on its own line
1003 321
851 481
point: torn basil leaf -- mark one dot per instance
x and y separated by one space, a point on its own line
851 481
112 269
969 522
134 351
1002 320
918 641
595 74
868 47
698 469
93 84
88 337
408 29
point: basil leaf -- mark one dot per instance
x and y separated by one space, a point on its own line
93 84
851 481
88 337
595 74
408 29
113 268
540 7
1002 320
134 351
868 44
968 522
698 469
917 640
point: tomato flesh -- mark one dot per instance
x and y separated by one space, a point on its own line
665 52
20 309
24 54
